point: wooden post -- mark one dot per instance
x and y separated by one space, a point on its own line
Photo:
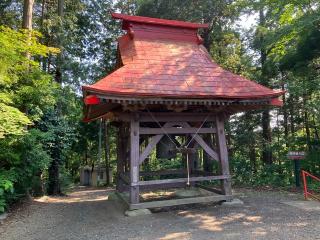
223 155
134 159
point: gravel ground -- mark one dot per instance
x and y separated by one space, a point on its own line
88 214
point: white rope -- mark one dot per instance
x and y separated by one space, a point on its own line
194 135
188 171
186 146
154 119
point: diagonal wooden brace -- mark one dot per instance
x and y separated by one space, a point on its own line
153 143
203 144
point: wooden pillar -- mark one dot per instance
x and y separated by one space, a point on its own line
223 154
134 159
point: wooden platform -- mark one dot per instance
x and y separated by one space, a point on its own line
204 198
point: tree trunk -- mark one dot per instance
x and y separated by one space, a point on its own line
253 158
207 39
306 121
107 151
60 8
267 138
316 133
120 156
27 14
54 183
58 74
285 116
27 24
265 121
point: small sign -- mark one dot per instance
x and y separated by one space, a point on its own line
296 155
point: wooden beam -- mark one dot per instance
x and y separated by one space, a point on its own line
174 101
167 117
203 144
150 147
181 201
97 111
206 147
223 152
201 172
164 172
157 186
134 160
154 141
175 130
153 187
177 180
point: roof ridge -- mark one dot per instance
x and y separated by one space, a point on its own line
159 21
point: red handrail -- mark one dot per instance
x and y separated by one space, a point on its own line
305 185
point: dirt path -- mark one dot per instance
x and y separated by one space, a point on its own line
88 214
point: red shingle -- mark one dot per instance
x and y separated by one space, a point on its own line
162 58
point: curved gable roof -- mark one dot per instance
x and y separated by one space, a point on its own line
165 59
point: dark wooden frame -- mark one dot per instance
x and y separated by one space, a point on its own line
131 180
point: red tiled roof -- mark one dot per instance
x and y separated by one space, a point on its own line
164 58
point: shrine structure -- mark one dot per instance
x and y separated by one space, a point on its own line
166 87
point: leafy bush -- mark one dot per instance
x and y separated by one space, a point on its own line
5 186
26 93
265 175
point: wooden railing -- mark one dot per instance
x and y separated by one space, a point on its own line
307 193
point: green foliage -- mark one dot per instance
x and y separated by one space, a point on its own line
26 93
287 34
21 161
5 187
264 175
16 46
12 121
22 85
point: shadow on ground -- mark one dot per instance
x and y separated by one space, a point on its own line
87 213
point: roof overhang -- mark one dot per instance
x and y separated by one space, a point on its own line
97 106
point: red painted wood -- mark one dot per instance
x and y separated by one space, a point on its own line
276 102
305 184
91 100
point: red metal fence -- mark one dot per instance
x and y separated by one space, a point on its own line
308 192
